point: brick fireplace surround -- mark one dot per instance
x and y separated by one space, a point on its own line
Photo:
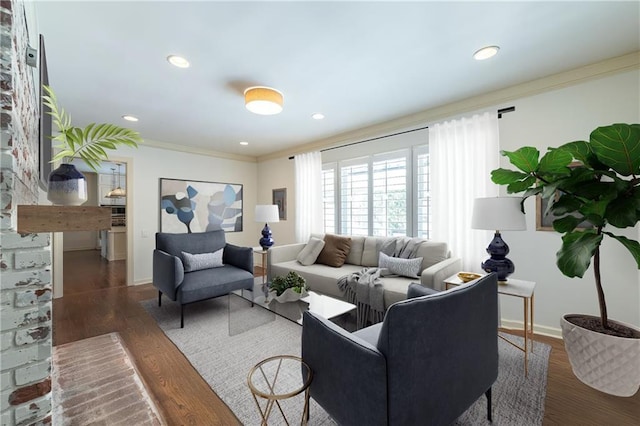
25 260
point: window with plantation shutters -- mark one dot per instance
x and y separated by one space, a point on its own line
383 194
329 193
354 199
391 191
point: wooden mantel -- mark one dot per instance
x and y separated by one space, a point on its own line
33 218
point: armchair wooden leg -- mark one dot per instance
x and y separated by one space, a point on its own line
159 298
181 316
488 395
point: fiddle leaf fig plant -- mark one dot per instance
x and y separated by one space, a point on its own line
595 181
89 143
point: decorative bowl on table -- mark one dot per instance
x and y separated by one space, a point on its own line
465 277
289 295
288 288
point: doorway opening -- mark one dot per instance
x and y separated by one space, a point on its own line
91 260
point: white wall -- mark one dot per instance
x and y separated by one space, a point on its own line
273 174
149 165
547 119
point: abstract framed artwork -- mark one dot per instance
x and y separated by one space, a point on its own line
188 206
280 200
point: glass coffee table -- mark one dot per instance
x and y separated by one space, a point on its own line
243 317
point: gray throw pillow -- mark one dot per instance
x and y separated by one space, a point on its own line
404 267
310 252
196 262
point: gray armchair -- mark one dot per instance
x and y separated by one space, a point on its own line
170 278
430 359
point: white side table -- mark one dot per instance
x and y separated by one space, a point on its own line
516 288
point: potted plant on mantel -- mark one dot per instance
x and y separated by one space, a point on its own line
603 189
67 186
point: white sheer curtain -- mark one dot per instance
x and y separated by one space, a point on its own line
462 154
308 168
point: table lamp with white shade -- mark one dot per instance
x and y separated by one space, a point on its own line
267 214
498 213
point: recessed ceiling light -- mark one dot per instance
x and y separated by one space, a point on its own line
130 118
318 116
485 53
244 143
178 61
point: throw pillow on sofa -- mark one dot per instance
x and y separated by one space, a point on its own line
335 250
196 262
310 252
399 266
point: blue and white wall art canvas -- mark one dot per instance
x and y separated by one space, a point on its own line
195 206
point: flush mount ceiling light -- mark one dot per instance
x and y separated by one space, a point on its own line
263 100
244 143
485 53
178 61
130 118
318 116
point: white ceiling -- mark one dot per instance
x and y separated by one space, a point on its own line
359 63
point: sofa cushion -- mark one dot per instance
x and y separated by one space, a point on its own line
372 246
199 261
355 254
310 252
320 278
432 252
335 250
404 267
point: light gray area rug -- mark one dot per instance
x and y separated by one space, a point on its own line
224 361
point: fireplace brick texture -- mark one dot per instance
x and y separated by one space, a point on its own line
25 259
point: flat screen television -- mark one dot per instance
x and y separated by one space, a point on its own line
45 141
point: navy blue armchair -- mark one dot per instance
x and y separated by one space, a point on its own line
430 359
185 286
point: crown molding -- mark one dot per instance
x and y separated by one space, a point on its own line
199 151
492 99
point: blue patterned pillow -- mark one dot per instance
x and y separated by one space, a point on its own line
196 262
404 267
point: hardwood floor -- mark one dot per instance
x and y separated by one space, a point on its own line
96 302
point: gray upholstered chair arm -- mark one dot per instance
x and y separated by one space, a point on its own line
240 257
434 276
349 374
168 273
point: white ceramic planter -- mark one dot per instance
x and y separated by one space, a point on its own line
607 363
288 295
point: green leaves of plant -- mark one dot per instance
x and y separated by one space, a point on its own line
631 245
292 280
89 143
525 158
576 252
618 146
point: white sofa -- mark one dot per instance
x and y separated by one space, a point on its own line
437 264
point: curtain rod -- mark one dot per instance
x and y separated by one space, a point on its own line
500 112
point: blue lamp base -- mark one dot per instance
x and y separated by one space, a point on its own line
266 241
498 262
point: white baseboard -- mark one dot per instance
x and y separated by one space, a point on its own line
142 281
537 328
